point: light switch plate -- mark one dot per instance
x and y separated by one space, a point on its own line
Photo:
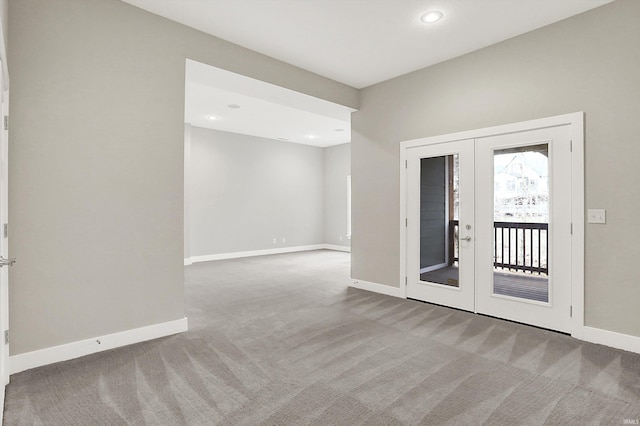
596 216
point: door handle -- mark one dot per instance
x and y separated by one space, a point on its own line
467 239
6 262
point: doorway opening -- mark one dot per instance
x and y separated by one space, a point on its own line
265 168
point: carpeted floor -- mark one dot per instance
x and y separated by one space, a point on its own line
281 340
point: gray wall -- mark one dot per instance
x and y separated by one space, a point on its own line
337 166
586 63
246 190
96 172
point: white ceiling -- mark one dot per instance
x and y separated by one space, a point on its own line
265 110
363 42
356 42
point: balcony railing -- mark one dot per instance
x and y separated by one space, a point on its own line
517 246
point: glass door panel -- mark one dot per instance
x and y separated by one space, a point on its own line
439 220
521 222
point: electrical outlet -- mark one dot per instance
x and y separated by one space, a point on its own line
275 241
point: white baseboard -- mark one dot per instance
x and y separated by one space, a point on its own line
377 288
608 338
28 360
187 261
336 247
266 252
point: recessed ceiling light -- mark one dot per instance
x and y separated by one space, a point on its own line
233 106
431 17
311 136
212 117
339 130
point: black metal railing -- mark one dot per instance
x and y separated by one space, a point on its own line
517 246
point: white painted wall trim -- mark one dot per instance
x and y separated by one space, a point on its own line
4 312
403 220
608 338
336 247
28 360
266 252
187 191
578 245
540 123
377 288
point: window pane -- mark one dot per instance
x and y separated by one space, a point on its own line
438 220
521 222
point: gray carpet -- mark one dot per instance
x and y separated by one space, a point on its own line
281 340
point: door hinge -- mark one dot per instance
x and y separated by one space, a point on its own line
5 230
406 164
571 228
570 311
6 122
406 222
571 146
405 280
6 337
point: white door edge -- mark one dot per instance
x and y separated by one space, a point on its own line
4 292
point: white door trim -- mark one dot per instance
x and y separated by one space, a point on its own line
4 219
576 121
4 297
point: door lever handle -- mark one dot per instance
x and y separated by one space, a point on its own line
6 262
467 239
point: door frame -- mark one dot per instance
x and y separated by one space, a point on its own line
4 238
576 121
4 147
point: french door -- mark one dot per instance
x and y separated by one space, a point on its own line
440 265
489 225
